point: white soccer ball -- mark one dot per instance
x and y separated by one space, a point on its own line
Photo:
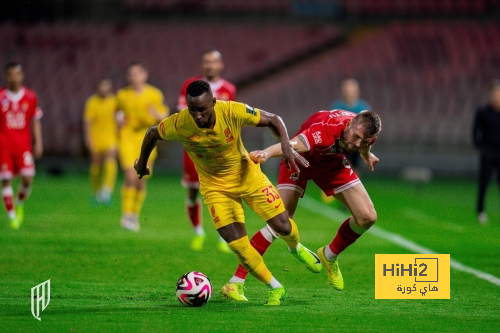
194 289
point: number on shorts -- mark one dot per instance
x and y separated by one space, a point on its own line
271 193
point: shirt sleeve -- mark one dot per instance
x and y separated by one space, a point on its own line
244 114
317 136
167 128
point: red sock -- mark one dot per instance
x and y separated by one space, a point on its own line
8 199
194 211
345 237
261 244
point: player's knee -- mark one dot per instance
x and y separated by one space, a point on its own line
280 224
367 219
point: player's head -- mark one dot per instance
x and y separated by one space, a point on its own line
201 102
349 89
495 94
104 87
14 75
211 64
362 130
137 73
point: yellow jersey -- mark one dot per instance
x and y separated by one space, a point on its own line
99 113
218 153
136 107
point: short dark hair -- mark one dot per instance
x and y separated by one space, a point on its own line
197 88
370 120
138 63
11 64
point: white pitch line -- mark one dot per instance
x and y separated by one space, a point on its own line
335 214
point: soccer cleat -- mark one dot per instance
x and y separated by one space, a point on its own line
234 291
222 247
20 213
131 223
197 242
14 223
335 278
308 258
275 296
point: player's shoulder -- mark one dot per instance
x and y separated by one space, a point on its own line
228 85
153 90
29 93
123 91
3 91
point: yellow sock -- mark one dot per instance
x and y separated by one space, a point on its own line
110 171
139 201
128 200
250 259
292 239
95 176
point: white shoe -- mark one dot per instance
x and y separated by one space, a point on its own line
482 218
130 222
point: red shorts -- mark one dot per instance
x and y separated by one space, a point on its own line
337 178
12 164
189 175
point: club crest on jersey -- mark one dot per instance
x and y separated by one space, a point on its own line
251 110
5 105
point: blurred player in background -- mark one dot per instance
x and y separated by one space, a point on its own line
351 101
140 106
210 130
19 118
323 140
211 66
486 137
101 136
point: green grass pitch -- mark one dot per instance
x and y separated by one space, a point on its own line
105 279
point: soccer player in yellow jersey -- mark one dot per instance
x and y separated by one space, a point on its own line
141 106
100 133
210 131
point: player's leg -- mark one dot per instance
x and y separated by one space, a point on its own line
485 174
357 200
110 170
129 194
95 174
192 203
23 193
263 238
8 201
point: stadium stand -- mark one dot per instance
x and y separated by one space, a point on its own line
414 74
63 60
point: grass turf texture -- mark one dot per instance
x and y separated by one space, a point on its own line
105 279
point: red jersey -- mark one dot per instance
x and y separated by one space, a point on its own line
223 90
17 110
322 132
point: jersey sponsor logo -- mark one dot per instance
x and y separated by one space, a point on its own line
251 110
227 133
317 137
277 206
15 120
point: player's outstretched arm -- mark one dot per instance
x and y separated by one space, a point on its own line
277 126
368 157
148 144
261 156
37 139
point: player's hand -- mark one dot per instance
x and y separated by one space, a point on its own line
142 170
37 150
258 156
291 157
370 161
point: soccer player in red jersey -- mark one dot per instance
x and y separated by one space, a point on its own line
19 116
211 66
323 140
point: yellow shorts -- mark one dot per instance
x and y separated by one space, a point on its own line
101 144
129 149
225 206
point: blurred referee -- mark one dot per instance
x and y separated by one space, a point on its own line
486 136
